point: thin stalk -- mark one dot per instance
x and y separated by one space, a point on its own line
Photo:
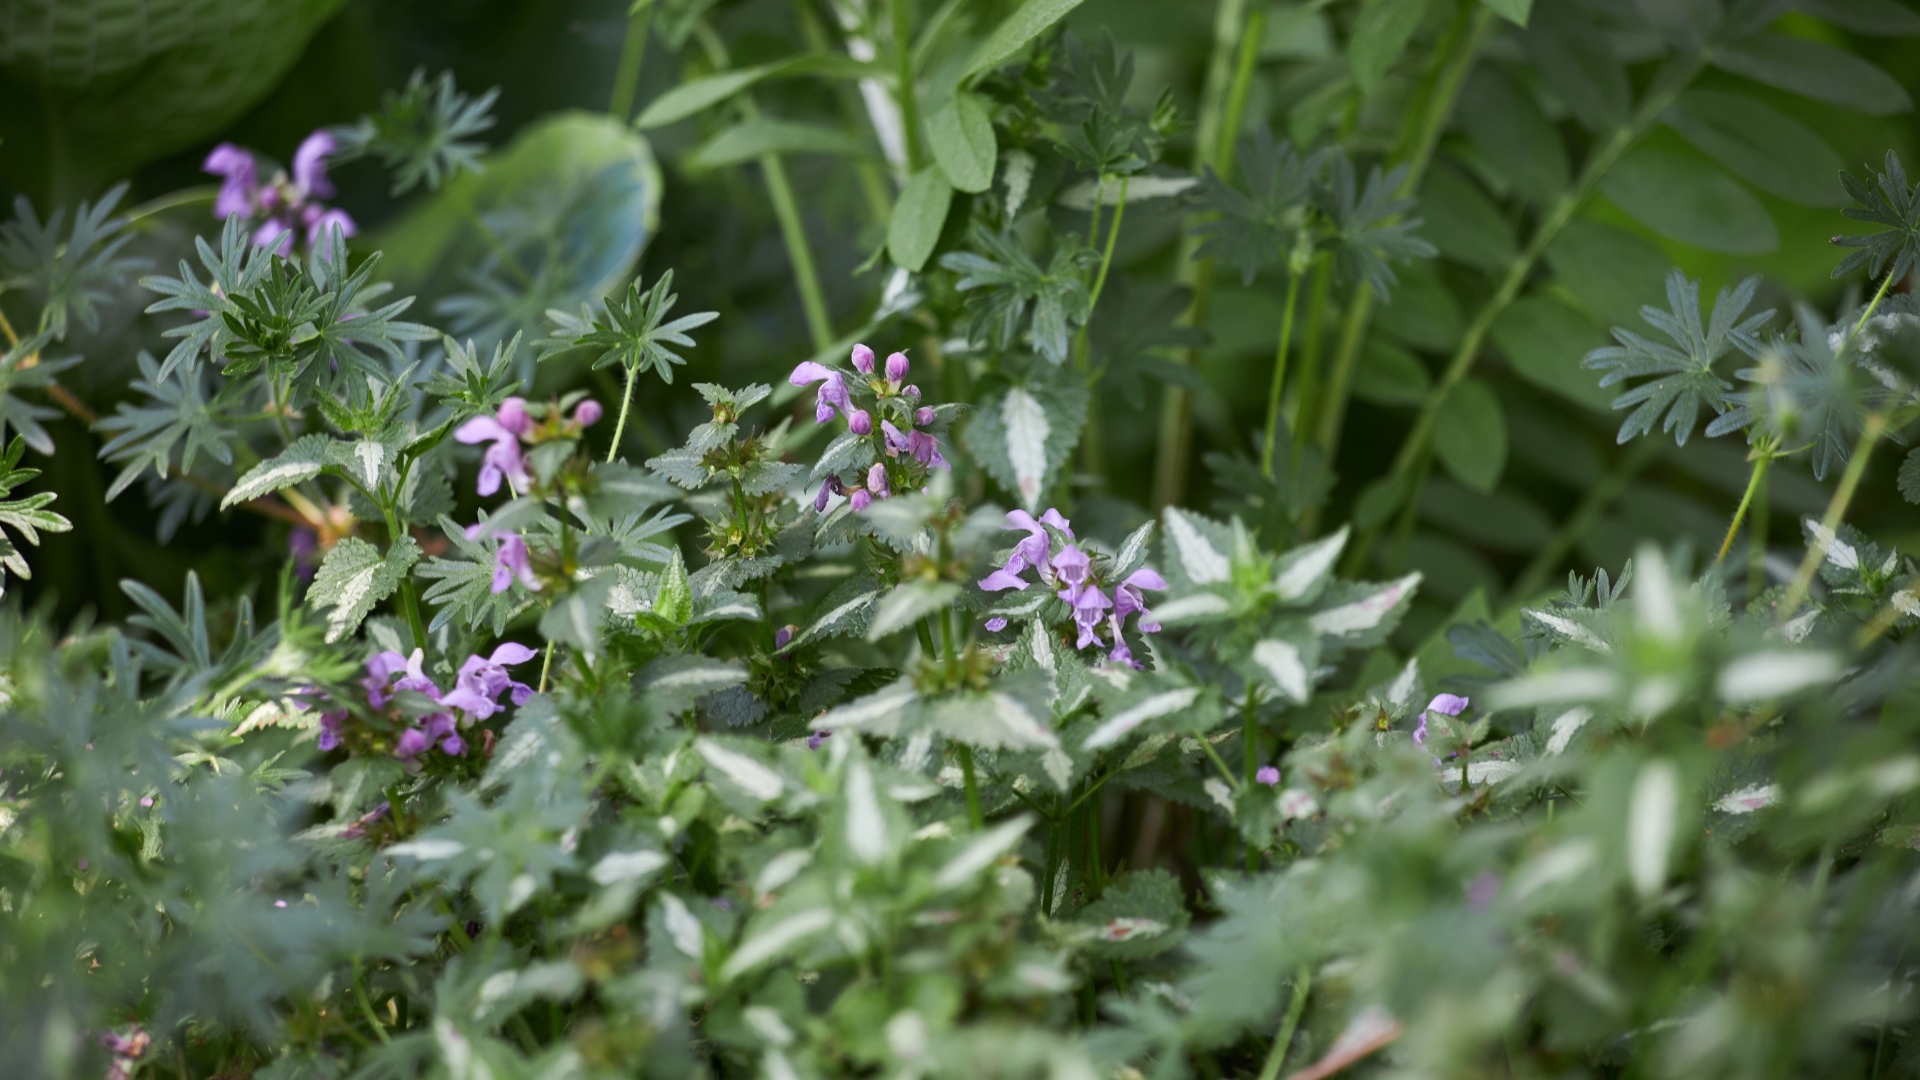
1333 401
1279 373
1206 744
1309 384
1876 426
1100 276
620 425
1882 621
546 665
974 816
1763 456
410 603
1877 297
1557 217
793 231
1409 517
1053 865
360 991
1209 149
1599 498
1276 1057
633 51
1757 543
903 88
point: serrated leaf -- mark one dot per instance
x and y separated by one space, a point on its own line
355 576
1199 560
1909 480
908 603
676 682
1352 617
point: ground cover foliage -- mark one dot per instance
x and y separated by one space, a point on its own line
982 538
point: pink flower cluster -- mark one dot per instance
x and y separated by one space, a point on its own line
1071 573
474 697
503 433
892 393
289 204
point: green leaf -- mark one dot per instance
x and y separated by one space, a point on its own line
1816 70
961 135
1514 138
575 619
298 463
694 95
908 603
750 139
1466 225
918 217
1909 479
1390 375
1880 17
1576 61
1029 22
1514 11
1499 519
1027 434
1141 914
1470 435
1691 203
1613 272
1686 377
1544 340
1765 147
1380 35
356 576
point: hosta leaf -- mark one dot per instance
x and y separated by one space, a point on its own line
355 576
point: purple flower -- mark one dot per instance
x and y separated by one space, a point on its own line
319 221
304 546
240 183
454 744
1127 598
501 460
860 422
1451 704
382 668
911 391
782 636
897 443
510 560
1071 565
1031 551
833 389
897 366
863 359
814 740
587 413
1267 775
1089 605
996 624
276 236
830 486
330 723
413 742
923 415
877 481
1420 731
925 449
310 165
483 679
860 499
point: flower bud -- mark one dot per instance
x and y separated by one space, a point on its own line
859 422
923 415
863 359
587 413
897 366
860 500
911 391
513 415
877 480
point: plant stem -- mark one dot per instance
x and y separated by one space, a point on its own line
360 991
903 90
1279 373
545 666
410 603
1599 497
1757 543
793 231
633 51
1090 434
1763 456
1877 297
620 425
1651 108
1276 1057
1054 825
974 816
1206 744
1876 426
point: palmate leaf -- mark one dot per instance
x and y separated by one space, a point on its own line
1686 377
234 270
632 334
1810 390
1888 201
1257 228
22 367
421 132
70 275
1370 230
180 414
1004 280
463 587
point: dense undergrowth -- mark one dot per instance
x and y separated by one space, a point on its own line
1044 567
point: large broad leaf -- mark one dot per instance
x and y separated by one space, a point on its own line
1380 35
575 197
1610 270
1763 146
1691 203
1470 435
1544 341
356 576
918 217
961 135
1816 70
126 81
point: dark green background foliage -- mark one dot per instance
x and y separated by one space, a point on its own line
1360 322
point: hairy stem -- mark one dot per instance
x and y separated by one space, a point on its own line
1763 456
1599 498
1296 1005
1876 426
1655 103
1279 374
620 425
633 51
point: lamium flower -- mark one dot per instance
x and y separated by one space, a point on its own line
897 366
828 487
996 624
1450 704
587 413
1267 775
502 432
877 481
832 395
510 560
863 359
1128 598
1073 576
1031 551
860 499
860 422
381 684
483 679
289 204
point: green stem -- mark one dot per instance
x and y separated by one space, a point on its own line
1100 276
974 816
1250 737
1206 744
633 51
1054 825
903 89
1763 456
1876 426
620 425
1279 373
1409 517
1584 517
1877 297
1757 543
360 991
410 603
1651 108
1333 400
793 231
926 639
546 665
1309 384
1276 1057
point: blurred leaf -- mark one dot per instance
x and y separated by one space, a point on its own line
1500 520
961 136
1380 34
1765 147
695 95
1610 270
1470 435
1514 11
1816 70
1463 222
1691 203
750 139
1891 202
1865 16
1575 59
918 216
1544 341
1032 19
1390 375
1516 139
